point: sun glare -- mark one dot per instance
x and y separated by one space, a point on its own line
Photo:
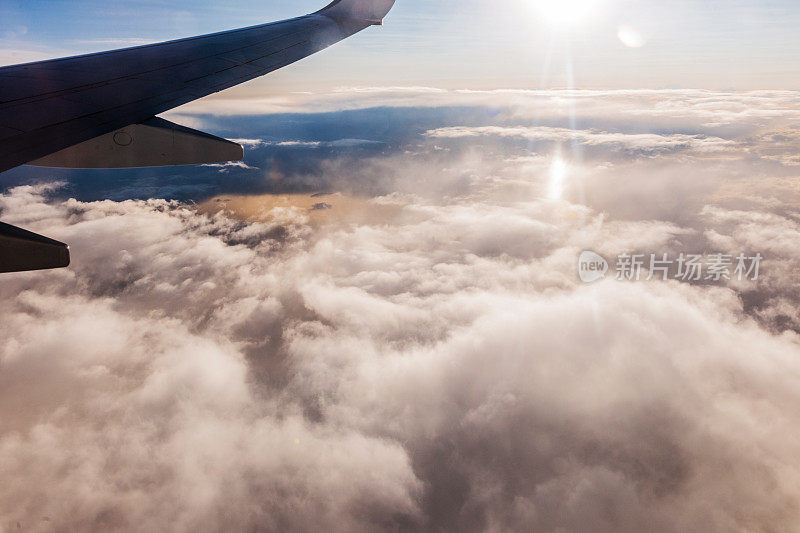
564 13
558 174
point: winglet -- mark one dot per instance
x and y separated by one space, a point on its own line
372 11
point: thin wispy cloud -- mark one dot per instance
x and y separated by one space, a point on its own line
637 141
117 42
225 167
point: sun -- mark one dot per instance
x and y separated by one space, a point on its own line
562 14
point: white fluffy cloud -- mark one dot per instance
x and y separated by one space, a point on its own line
437 366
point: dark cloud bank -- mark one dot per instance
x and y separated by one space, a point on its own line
439 367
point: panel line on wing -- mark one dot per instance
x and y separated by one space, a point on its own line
247 62
9 104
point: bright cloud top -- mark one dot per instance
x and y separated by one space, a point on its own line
435 364
637 141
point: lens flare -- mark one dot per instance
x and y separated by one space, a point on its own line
631 37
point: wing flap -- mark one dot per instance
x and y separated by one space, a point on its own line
152 143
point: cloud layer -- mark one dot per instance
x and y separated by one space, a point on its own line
434 366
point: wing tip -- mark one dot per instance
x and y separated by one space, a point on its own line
371 11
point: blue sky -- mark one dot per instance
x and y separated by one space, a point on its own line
717 44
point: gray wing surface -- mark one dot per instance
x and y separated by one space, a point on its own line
49 106
99 110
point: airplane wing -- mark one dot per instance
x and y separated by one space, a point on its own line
99 110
